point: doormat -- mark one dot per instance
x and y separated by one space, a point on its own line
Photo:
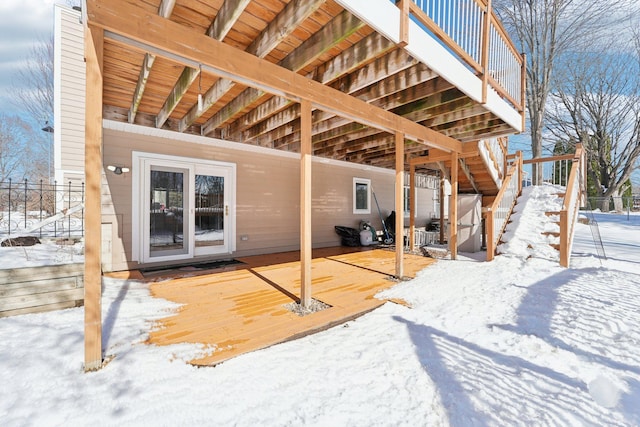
189 267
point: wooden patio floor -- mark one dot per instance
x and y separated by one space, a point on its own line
242 310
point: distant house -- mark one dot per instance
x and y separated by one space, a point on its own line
228 128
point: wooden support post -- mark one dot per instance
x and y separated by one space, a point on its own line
442 178
564 238
453 207
305 203
486 26
489 227
399 204
93 50
412 206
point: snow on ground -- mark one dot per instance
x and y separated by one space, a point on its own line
518 341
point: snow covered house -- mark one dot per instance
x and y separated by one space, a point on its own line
217 129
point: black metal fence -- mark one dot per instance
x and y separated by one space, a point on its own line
41 209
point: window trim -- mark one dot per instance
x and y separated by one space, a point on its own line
361 181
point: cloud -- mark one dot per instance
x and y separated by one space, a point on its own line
23 23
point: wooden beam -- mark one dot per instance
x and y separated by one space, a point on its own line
219 28
362 52
467 173
145 70
394 62
388 93
412 206
305 204
227 16
181 87
278 29
399 137
93 51
165 10
127 23
453 208
442 223
338 127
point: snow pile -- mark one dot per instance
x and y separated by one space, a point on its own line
46 253
524 236
518 341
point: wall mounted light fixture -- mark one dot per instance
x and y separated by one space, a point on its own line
118 170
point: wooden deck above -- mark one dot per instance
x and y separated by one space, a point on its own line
234 312
146 83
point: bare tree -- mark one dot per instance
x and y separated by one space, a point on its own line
33 88
545 30
18 160
597 102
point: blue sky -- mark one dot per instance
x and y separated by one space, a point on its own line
22 23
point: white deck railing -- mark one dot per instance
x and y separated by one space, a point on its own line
473 33
497 215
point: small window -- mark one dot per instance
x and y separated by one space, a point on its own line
361 196
407 201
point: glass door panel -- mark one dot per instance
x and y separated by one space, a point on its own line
168 230
210 210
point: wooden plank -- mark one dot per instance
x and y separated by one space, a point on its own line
165 9
240 311
44 298
39 286
17 275
94 47
149 33
278 29
305 203
178 91
226 18
219 28
399 202
42 308
348 60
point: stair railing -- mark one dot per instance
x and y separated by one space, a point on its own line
573 200
497 215
568 171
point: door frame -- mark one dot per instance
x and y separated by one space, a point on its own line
141 162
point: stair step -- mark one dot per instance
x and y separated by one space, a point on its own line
555 246
551 233
561 195
552 213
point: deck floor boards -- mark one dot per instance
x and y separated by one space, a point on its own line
235 312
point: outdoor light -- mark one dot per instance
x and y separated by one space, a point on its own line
118 170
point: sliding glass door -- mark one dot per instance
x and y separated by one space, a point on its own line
184 208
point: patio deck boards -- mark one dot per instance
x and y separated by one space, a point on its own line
234 312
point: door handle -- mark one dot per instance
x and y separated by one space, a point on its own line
226 210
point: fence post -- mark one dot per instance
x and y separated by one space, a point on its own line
55 207
69 216
82 211
40 214
25 202
9 221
